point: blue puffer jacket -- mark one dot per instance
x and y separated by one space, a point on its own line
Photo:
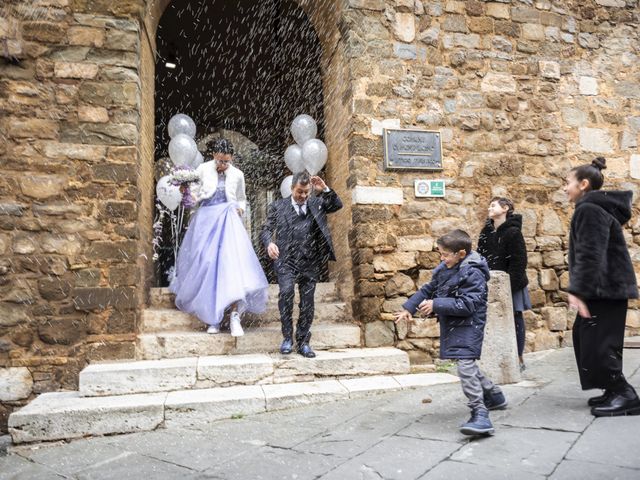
460 301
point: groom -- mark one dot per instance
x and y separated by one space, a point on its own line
302 246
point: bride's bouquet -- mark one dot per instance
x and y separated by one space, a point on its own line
184 177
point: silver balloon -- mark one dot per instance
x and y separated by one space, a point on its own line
181 123
182 150
293 158
285 186
198 160
168 194
314 155
303 128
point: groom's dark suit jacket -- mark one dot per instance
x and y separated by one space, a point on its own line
279 221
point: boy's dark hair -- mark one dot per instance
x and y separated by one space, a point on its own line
455 241
592 172
504 202
221 145
301 178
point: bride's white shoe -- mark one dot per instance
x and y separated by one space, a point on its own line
234 324
213 329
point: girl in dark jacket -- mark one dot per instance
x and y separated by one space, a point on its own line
602 279
502 244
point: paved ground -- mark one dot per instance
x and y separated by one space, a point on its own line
547 432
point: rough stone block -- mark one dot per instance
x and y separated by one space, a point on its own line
378 334
634 166
16 383
588 86
362 387
220 371
344 363
555 317
549 279
498 10
65 415
498 82
42 186
195 408
281 397
106 379
363 195
399 284
75 70
416 380
596 140
550 70
394 262
178 345
404 27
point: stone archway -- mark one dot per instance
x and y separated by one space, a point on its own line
324 16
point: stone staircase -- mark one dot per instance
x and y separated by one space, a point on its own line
185 377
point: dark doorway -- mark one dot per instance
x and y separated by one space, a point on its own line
244 66
249 66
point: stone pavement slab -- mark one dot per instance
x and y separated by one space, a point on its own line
531 450
450 470
17 468
70 458
394 458
274 463
542 411
578 470
185 448
123 467
610 441
354 437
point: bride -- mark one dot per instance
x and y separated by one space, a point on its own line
216 266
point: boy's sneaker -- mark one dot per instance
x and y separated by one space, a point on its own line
478 424
495 400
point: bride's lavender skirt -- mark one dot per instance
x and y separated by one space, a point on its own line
217 266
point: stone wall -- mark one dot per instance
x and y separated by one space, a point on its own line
521 91
70 191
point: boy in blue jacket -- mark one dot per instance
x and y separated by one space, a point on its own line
457 295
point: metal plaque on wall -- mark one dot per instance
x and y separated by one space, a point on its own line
412 149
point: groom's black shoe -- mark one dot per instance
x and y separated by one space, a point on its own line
600 399
287 346
618 404
305 351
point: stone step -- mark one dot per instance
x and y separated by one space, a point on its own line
161 345
67 415
325 292
632 342
171 320
147 376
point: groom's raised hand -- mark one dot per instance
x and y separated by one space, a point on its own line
318 184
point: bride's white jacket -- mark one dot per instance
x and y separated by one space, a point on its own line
234 186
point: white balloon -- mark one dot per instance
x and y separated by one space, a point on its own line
285 186
198 160
303 128
168 194
293 158
183 150
181 123
314 155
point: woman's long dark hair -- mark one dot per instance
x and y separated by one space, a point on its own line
591 172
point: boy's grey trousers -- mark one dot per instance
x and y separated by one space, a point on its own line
474 383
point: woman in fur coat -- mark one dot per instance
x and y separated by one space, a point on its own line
602 280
